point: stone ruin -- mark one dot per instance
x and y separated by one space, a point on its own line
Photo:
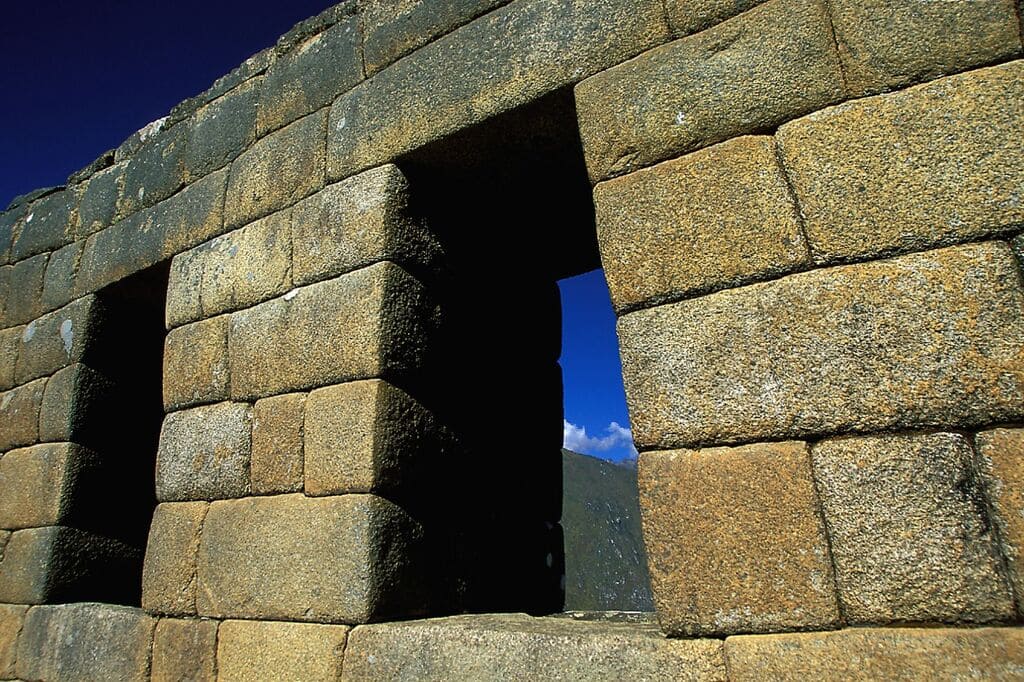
251 358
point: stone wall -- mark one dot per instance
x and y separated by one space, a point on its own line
808 216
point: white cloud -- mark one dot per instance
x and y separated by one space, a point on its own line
575 438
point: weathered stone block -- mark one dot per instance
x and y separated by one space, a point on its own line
252 67
196 364
19 415
935 164
11 222
75 642
59 339
22 289
184 650
502 60
515 646
221 130
357 222
714 219
277 444
138 138
59 280
769 572
251 651
98 208
80 405
1001 463
887 45
277 171
690 16
368 323
41 483
751 73
193 215
155 171
310 75
10 342
347 559
169 572
911 538
12 618
927 339
204 453
49 225
865 654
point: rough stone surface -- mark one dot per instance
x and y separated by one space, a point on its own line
357 222
911 538
735 540
277 444
714 219
753 72
104 160
887 45
59 280
935 164
10 342
196 364
502 60
155 171
277 171
367 323
518 647
879 654
346 559
11 222
5 535
76 642
184 651
1001 461
23 298
80 405
252 651
136 139
40 484
19 415
926 339
311 75
49 224
12 618
252 67
58 339
169 572
691 16
221 130
204 453
100 198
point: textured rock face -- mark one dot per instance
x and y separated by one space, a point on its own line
250 651
221 130
19 414
278 427
40 483
169 572
196 364
910 534
23 303
1001 464
204 453
12 619
58 339
184 650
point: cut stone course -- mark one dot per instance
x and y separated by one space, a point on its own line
910 533
184 651
253 651
1001 461
204 453
221 130
935 164
751 73
196 364
100 199
12 618
155 171
41 485
169 572
277 444
928 339
19 415
59 339
59 279
49 224
22 291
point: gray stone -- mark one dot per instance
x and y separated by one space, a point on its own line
23 200
19 414
21 290
41 484
49 224
252 651
278 427
10 342
221 130
59 339
140 136
80 405
98 208
255 65
155 171
184 651
169 572
11 222
1001 465
204 453
59 280
12 619
196 364
103 161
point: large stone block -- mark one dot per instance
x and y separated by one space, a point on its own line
714 219
81 405
502 60
196 364
735 540
1001 463
221 130
19 415
691 16
887 45
41 485
277 444
927 339
184 651
518 647
59 339
251 651
10 342
12 619
11 222
204 453
369 323
911 538
751 73
865 654
169 572
49 224
935 164
277 171
21 290
59 280
346 559
76 642
155 171
100 198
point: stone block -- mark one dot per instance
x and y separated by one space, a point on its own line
185 282
76 642
923 340
80 405
710 220
346 559
690 16
22 290
11 222
49 224
184 650
911 538
59 339
751 73
503 60
204 453
735 540
193 215
59 280
310 75
277 444
100 198
863 654
196 364
12 618
886 45
369 323
518 647
391 31
1001 464
358 222
277 171
932 165
10 342
251 651
169 572
221 130
135 141
5 535
155 171
252 67
41 485
19 415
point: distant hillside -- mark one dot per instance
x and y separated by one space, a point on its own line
605 562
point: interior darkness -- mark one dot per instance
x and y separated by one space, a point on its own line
511 204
